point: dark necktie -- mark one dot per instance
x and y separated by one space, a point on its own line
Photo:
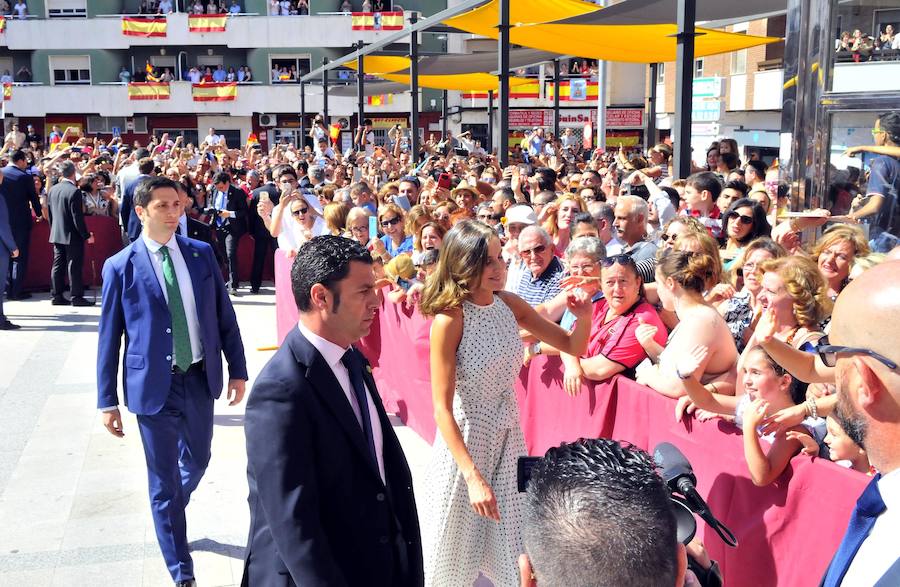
868 507
353 362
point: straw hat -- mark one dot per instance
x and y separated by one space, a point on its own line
464 187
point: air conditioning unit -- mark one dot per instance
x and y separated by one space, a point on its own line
268 120
344 123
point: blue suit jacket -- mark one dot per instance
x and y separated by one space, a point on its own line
18 191
134 305
7 243
130 220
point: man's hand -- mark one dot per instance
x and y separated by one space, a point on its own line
235 392
224 214
14 254
113 422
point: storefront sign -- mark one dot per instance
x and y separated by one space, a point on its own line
571 118
529 118
624 117
389 121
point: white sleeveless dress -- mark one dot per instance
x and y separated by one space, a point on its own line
457 542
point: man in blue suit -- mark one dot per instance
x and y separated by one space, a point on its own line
8 249
21 199
165 293
331 498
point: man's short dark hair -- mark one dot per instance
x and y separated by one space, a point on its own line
730 160
759 168
738 185
141 153
143 193
507 194
325 260
598 513
890 123
146 165
546 178
584 218
17 155
282 170
705 181
221 177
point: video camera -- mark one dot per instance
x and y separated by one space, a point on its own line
679 477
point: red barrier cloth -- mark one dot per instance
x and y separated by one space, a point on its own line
788 531
286 314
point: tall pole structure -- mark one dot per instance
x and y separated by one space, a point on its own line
651 107
503 69
444 114
360 89
684 86
325 93
414 90
490 132
601 99
302 115
556 98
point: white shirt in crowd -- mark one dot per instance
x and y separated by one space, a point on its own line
333 354
185 286
212 140
881 548
614 247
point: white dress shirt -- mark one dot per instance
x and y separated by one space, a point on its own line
184 286
333 354
881 547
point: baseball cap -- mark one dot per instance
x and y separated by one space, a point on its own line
521 214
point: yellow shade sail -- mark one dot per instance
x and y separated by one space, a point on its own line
381 64
650 43
462 82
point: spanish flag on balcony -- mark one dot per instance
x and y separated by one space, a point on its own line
380 100
527 90
154 26
574 90
217 92
377 21
207 23
148 91
7 92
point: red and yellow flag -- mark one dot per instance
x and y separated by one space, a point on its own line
334 132
529 90
2 24
7 92
148 91
377 21
144 27
207 23
380 100
392 21
565 91
216 92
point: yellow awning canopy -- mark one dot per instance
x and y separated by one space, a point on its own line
464 82
650 43
381 64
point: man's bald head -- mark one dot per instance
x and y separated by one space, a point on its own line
867 315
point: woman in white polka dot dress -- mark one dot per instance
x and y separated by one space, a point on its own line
472 515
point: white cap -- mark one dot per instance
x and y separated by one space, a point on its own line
521 214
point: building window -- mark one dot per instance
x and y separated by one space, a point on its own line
288 68
66 8
698 68
66 70
660 73
739 62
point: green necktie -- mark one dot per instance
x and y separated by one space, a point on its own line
184 356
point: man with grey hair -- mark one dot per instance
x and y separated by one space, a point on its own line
316 175
631 227
605 216
541 270
68 233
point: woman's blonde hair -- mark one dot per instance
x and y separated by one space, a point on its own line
550 224
843 232
416 214
335 215
392 209
464 253
707 245
806 286
390 188
692 271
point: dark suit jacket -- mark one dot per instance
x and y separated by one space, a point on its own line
134 306
235 201
320 514
257 227
65 204
130 221
201 231
18 191
7 241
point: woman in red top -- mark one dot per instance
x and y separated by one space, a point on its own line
613 346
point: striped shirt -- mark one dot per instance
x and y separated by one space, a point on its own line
537 290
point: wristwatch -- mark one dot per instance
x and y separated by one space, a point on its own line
536 348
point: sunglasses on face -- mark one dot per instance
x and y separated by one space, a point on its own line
829 352
299 211
391 222
665 237
746 220
538 250
622 259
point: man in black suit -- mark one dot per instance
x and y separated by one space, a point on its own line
131 224
263 242
21 199
68 233
331 498
231 207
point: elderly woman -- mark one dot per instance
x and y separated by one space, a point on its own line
744 221
358 226
395 240
582 260
835 253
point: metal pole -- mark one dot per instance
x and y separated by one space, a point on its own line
302 116
601 99
684 87
503 67
414 89
556 98
325 93
490 133
650 139
360 89
444 114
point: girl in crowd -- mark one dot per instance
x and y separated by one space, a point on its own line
681 279
395 240
558 218
744 221
841 448
768 388
835 253
335 215
472 514
417 217
427 238
742 308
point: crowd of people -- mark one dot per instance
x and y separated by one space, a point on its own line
17 9
709 289
163 7
860 47
197 74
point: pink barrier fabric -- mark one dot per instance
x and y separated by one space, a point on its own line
286 314
787 531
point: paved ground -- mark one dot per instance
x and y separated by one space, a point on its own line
73 499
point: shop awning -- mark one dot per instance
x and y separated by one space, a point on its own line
481 62
462 82
534 25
